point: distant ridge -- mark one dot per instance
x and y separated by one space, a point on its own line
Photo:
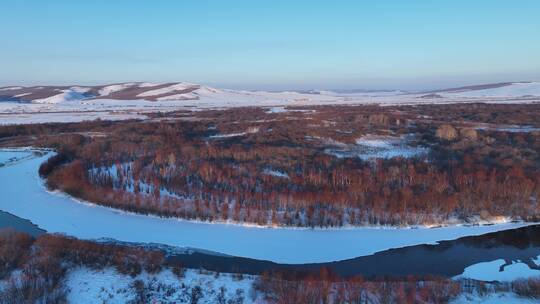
185 91
501 89
118 91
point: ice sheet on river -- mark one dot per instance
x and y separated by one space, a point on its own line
23 195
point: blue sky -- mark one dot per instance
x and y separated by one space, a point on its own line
271 44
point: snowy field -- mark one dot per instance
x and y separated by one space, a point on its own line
74 104
24 195
85 285
35 118
499 270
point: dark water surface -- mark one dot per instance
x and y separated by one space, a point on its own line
10 221
447 258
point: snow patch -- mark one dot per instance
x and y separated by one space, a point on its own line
185 96
170 89
108 90
492 298
148 84
71 94
499 270
10 88
508 128
250 130
371 147
275 173
228 135
519 129
276 110
23 94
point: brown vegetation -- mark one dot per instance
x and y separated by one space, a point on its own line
43 262
248 165
446 132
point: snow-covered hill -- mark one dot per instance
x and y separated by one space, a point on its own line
500 90
184 91
141 95
120 91
36 104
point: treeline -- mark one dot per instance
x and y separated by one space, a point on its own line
390 192
248 165
280 288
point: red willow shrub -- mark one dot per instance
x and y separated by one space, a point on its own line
282 288
247 165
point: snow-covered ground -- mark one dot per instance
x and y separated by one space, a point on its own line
519 129
516 89
492 298
85 285
169 89
104 101
34 118
110 89
374 147
228 135
275 173
24 195
498 270
72 94
506 128
249 131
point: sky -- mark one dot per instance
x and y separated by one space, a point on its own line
275 45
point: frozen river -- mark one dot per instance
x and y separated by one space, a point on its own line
23 195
